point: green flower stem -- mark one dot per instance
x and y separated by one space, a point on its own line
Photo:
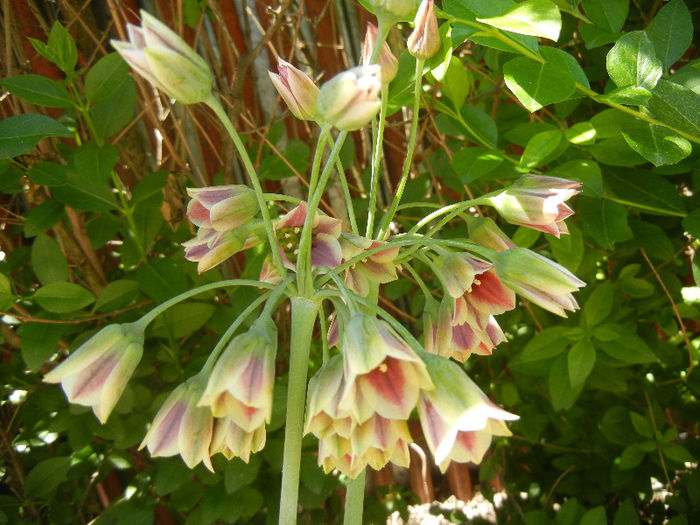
323 136
451 210
386 221
304 312
348 197
376 161
150 316
304 261
421 283
354 499
218 109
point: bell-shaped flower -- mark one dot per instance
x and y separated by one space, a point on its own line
474 337
424 41
160 56
221 208
437 326
459 271
377 267
350 99
486 296
297 90
538 279
210 247
456 416
383 375
386 60
181 427
234 442
537 201
325 248
485 232
96 374
241 383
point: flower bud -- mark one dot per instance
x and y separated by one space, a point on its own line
159 55
387 61
350 99
297 89
96 374
424 41
210 248
222 208
459 270
397 9
484 232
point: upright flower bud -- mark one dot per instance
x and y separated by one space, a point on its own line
160 56
297 89
350 99
96 374
424 41
222 208
387 61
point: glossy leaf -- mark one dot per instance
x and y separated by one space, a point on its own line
62 297
536 84
48 261
671 31
38 90
105 77
676 106
581 359
607 14
20 133
632 62
539 18
604 220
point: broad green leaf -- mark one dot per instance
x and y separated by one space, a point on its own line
105 77
657 144
48 174
111 114
457 82
671 31
548 343
46 476
170 475
631 456
594 36
581 360
42 217
539 18
595 516
569 513
582 133
676 106
62 46
95 163
472 163
48 261
608 123
85 195
161 279
676 452
481 8
616 152
39 342
653 239
629 349
642 425
20 133
586 172
646 191
480 125
691 223
63 297
542 149
7 298
630 95
568 250
604 220
536 84
38 90
566 62
626 514
525 237
599 304
149 190
562 394
607 14
632 62
238 474
117 294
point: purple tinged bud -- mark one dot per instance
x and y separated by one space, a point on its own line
297 89
387 61
424 41
350 99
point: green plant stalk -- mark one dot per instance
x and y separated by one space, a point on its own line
304 312
386 221
218 109
354 499
318 156
348 198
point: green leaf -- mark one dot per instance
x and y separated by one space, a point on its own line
626 514
629 348
646 191
595 516
582 133
117 294
676 106
607 14
568 250
20 133
548 343
46 476
580 362
594 36
536 84
586 172
85 195
105 77
562 394
481 8
671 31
149 190
111 114
604 220
238 474
48 174
471 163
62 46
171 473
39 343
48 261
599 304
657 144
676 452
62 298
632 62
38 90
642 425
42 217
542 149
616 152
565 62
533 17
653 239
631 456
7 298
161 279
95 163
691 223
182 319
630 95
480 125
457 82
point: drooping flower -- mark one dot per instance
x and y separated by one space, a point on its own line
350 99
538 279
181 427
297 89
457 418
459 271
210 248
96 374
241 383
537 201
221 208
485 232
159 55
424 41
233 442
386 60
376 267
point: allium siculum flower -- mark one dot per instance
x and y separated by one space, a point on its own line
166 61
210 248
221 208
538 279
383 375
377 267
457 418
424 41
96 374
182 427
459 270
350 99
537 201
234 442
387 61
241 383
325 248
297 89
485 232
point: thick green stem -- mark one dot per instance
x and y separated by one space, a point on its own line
304 312
354 499
218 109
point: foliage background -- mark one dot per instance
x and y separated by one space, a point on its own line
607 398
